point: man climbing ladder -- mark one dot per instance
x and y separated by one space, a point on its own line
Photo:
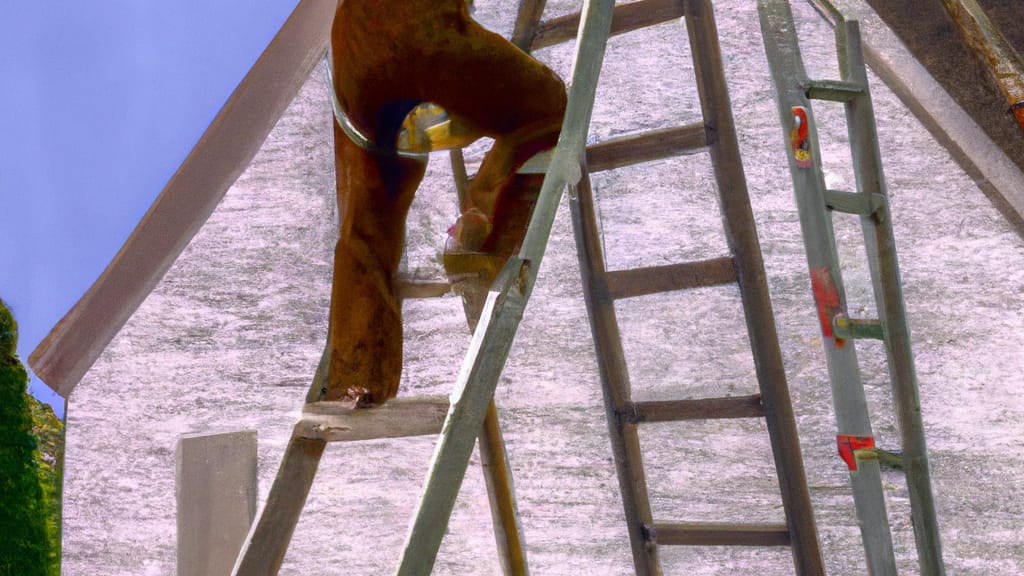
388 57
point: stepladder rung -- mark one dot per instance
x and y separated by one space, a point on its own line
412 288
720 534
855 202
646 147
696 409
633 149
833 90
655 279
626 18
398 418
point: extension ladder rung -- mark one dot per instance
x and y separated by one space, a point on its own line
855 202
833 90
647 146
626 18
857 328
695 409
398 418
708 534
655 279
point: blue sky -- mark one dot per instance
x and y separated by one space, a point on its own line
101 101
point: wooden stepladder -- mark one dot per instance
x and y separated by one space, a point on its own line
716 136
471 401
816 203
470 408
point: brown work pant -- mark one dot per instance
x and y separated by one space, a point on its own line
388 56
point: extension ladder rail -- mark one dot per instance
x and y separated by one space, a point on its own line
816 204
715 135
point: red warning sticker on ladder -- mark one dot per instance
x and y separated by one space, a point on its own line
826 296
848 445
799 139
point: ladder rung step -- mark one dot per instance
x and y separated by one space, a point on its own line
398 418
411 288
627 17
655 279
699 534
645 147
857 328
833 90
854 202
696 409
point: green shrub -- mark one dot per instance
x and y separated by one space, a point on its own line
25 541
49 433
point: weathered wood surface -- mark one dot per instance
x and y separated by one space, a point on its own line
707 534
398 418
642 281
697 409
1000 60
652 145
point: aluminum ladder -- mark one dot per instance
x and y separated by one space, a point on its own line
816 203
716 136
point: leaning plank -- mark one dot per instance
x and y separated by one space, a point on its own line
216 495
222 154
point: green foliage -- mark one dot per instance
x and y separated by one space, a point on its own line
49 433
25 544
8 331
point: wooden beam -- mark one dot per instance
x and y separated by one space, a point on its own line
999 58
222 154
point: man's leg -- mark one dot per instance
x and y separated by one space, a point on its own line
486 81
365 329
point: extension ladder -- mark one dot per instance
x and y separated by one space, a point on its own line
816 203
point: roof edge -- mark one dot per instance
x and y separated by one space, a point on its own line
223 152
